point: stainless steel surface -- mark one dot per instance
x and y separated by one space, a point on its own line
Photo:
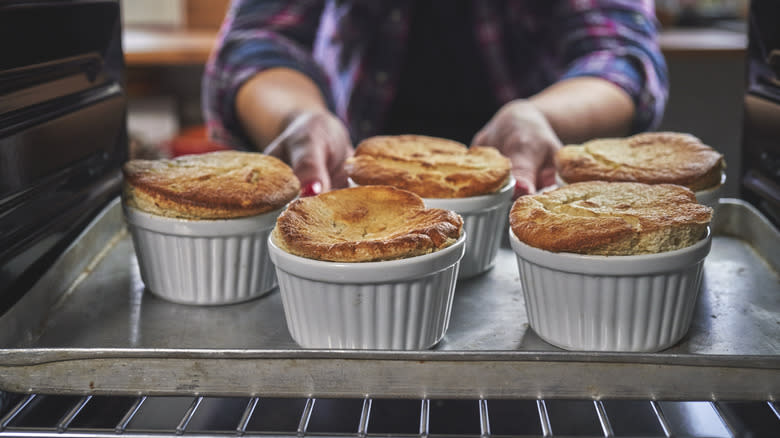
101 333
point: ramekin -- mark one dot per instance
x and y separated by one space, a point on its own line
636 303
485 221
400 304
203 262
711 196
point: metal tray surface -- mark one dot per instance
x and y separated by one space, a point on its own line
89 327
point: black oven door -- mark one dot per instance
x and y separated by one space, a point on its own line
62 129
760 182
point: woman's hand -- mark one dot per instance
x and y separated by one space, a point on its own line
315 144
521 132
284 114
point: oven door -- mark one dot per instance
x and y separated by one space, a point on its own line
62 129
760 182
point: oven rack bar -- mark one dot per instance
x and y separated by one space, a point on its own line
36 415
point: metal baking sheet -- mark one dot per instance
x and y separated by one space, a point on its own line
89 327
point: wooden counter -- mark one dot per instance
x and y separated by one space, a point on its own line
151 47
161 47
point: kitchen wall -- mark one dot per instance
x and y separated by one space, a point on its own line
705 99
161 13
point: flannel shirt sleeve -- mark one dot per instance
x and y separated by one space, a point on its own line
617 40
257 35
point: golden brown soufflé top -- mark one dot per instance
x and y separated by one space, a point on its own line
364 224
652 158
215 185
428 166
610 218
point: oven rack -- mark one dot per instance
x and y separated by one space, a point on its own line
37 415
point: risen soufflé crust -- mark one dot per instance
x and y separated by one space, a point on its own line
651 158
216 185
604 218
364 224
428 166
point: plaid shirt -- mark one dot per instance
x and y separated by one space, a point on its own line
353 51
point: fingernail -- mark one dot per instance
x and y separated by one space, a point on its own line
311 188
522 188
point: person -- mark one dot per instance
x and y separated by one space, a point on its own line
305 80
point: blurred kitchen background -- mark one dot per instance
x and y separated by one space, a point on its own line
167 42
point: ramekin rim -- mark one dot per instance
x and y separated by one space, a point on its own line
624 265
200 227
367 272
470 203
559 182
473 203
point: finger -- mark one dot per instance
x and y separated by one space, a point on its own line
480 139
546 174
311 188
546 177
523 186
312 180
341 151
279 147
524 172
308 164
338 178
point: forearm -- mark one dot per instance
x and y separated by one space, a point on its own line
267 102
582 108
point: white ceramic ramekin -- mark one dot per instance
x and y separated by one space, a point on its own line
485 222
711 196
400 304
610 303
204 262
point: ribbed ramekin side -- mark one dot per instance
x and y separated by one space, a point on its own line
484 231
609 313
204 270
404 315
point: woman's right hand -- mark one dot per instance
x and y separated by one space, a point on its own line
315 144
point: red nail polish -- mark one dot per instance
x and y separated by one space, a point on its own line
523 188
311 188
